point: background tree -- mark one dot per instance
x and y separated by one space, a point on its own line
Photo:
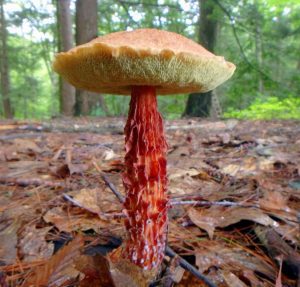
86 30
199 105
64 20
5 83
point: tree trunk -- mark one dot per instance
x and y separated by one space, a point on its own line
5 84
86 30
67 91
199 104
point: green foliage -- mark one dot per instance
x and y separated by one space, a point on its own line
243 27
172 107
271 108
30 84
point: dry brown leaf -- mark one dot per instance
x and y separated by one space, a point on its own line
219 216
26 146
248 166
61 171
11 219
96 271
289 232
9 240
180 173
78 168
33 245
96 200
65 221
58 269
216 253
232 280
274 200
18 168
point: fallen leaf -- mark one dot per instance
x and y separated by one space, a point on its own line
61 171
58 269
18 168
78 168
179 173
65 221
219 255
33 245
9 240
232 280
26 146
248 166
219 216
96 200
274 200
96 271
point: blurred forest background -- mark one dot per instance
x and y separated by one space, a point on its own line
262 37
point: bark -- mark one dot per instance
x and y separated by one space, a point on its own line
86 30
5 83
199 104
67 91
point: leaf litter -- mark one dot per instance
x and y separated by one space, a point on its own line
233 185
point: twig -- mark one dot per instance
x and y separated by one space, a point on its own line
31 181
109 184
210 203
169 251
187 266
21 136
78 204
113 188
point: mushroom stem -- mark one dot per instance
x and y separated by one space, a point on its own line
145 180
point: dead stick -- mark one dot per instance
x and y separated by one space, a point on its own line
169 251
113 188
109 184
20 136
187 266
210 203
31 181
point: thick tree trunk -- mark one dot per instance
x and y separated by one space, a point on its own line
86 30
199 105
5 84
67 91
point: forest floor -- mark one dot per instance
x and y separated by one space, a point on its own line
234 188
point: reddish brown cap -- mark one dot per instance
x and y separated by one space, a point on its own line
116 62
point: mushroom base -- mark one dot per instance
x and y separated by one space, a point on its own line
145 180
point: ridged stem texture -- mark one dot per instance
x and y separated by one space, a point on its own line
145 180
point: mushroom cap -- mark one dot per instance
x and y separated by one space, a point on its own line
147 57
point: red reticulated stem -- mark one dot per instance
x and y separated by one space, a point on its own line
145 180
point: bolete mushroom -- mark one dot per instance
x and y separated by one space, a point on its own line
143 63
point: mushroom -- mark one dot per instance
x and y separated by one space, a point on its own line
143 63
